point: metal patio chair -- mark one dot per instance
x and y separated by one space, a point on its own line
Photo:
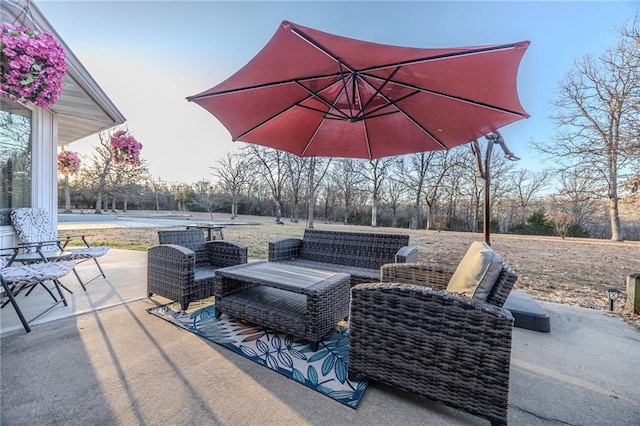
34 226
16 279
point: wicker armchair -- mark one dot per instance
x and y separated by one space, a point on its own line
409 333
182 267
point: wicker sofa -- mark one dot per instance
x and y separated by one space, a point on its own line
182 267
359 254
411 334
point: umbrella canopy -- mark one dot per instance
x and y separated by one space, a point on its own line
317 94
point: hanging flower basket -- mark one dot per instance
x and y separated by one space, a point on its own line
125 148
68 163
32 65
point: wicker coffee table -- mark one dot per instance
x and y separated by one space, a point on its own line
300 301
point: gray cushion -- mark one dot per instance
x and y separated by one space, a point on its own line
477 272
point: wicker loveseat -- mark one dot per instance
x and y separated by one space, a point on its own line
410 333
182 267
359 254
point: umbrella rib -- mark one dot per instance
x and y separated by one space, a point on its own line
378 90
321 48
398 110
443 94
342 116
474 51
321 99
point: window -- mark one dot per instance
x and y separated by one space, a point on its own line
15 158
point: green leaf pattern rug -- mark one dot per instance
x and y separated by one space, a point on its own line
324 370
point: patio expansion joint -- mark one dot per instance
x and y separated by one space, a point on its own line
537 416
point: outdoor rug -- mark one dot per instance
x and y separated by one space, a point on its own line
324 371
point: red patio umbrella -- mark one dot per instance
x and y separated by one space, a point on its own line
316 94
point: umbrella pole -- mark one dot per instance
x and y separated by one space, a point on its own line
486 220
485 174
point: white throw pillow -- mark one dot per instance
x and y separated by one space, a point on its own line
477 272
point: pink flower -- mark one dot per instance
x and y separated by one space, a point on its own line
68 163
32 65
125 148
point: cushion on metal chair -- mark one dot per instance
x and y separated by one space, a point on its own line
33 225
25 274
89 252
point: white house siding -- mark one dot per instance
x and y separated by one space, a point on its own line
83 109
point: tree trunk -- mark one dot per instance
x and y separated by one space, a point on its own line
234 209
615 219
278 213
374 214
429 224
614 212
99 202
295 215
312 203
312 193
67 195
415 217
103 181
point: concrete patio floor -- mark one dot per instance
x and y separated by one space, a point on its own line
105 360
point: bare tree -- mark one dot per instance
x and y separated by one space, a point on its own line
393 195
314 180
122 177
577 198
297 168
596 113
373 172
233 173
414 173
99 167
205 196
270 166
439 167
528 184
349 181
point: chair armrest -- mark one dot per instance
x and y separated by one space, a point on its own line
432 275
170 256
286 248
223 253
406 298
38 245
407 254
82 237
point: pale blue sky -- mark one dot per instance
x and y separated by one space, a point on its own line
149 56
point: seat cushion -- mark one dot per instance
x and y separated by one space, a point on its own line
88 252
26 274
477 272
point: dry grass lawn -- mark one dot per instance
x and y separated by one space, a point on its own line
573 271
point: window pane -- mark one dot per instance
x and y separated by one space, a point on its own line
15 159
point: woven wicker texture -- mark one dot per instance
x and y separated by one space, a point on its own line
407 332
358 254
301 302
182 267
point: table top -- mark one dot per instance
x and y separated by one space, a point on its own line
205 225
278 275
